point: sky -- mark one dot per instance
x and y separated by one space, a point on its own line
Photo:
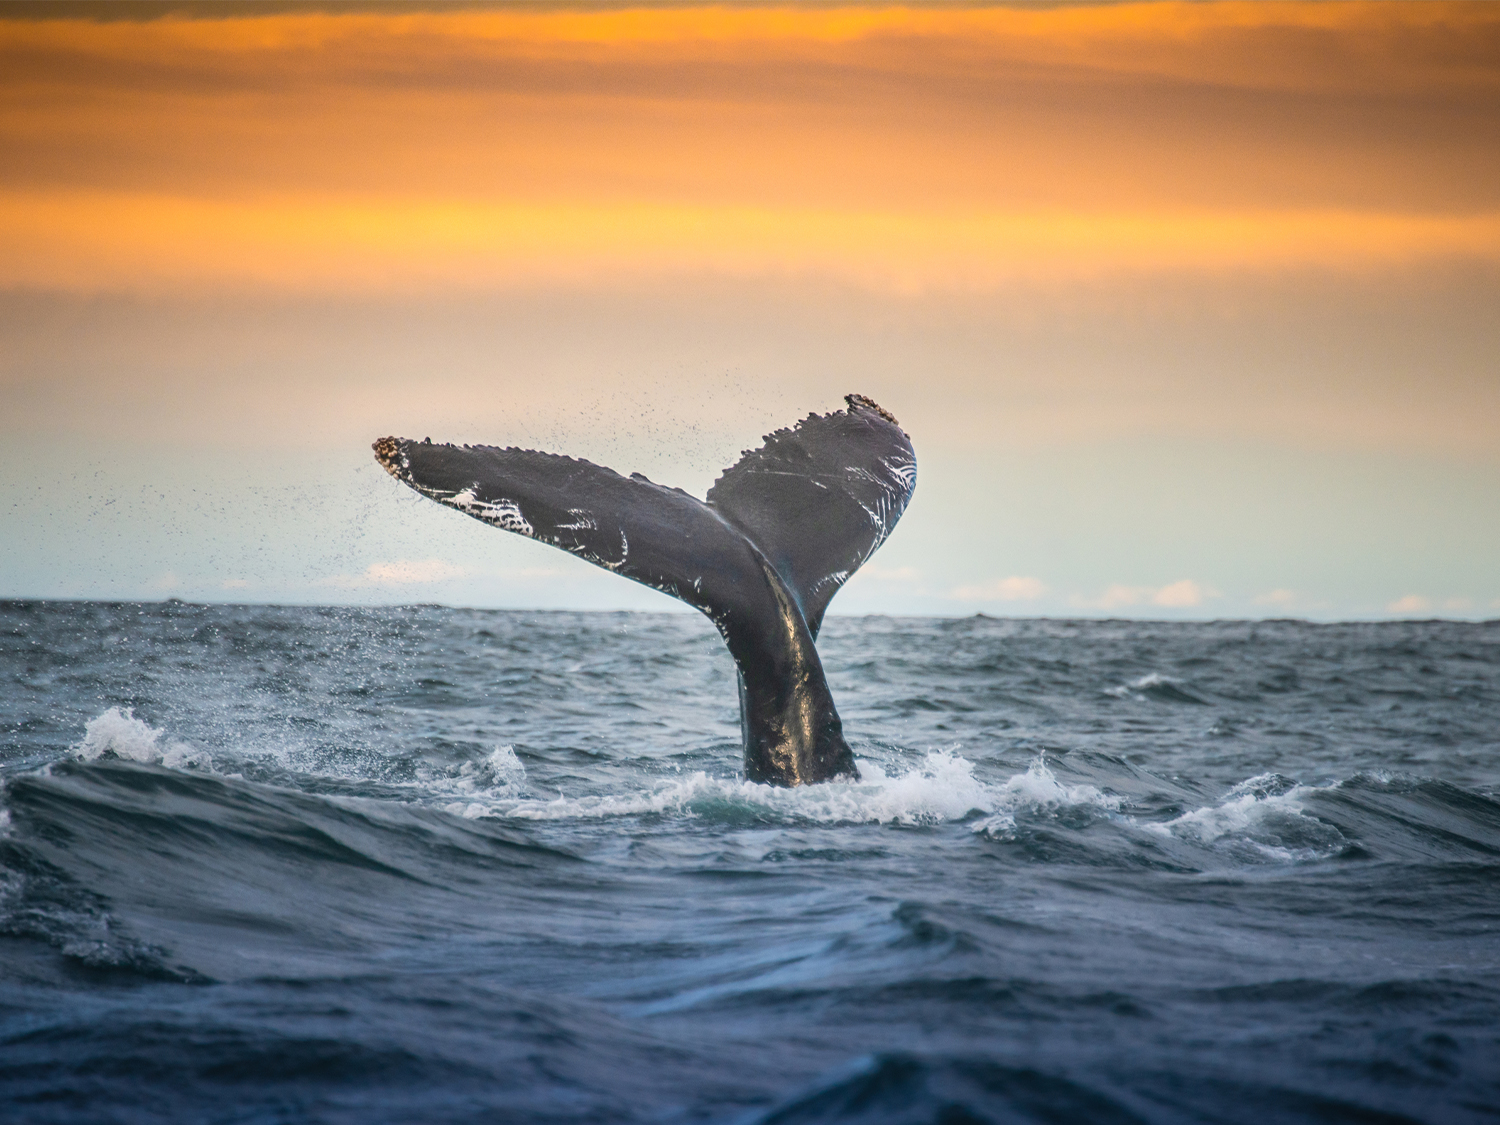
1190 310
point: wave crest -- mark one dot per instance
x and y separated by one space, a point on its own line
1038 790
119 734
1260 819
941 787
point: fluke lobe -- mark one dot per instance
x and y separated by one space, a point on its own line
762 557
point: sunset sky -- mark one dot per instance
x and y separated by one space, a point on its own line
1191 310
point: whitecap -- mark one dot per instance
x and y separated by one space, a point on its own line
1155 686
1144 683
1038 790
119 734
1263 817
499 775
940 788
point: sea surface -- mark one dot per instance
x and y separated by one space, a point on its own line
265 864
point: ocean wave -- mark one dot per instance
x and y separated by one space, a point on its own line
119 734
1154 685
1039 790
500 773
908 1087
941 787
249 895
39 901
1263 818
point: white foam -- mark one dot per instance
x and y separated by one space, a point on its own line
941 787
1262 819
1150 680
497 776
1263 815
119 734
1039 789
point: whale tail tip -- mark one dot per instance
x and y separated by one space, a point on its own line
865 402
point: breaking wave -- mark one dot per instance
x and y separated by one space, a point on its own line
1261 819
119 734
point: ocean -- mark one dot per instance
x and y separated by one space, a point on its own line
294 864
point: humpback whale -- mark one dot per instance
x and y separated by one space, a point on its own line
762 556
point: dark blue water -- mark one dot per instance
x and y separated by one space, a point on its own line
425 864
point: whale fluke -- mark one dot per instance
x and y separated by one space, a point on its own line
819 498
779 534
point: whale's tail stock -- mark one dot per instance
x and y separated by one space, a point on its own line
778 535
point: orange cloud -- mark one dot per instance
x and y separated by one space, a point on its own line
899 147
152 243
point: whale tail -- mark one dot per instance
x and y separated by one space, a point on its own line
779 533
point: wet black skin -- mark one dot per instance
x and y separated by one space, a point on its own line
792 731
761 558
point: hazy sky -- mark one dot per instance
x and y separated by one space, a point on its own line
1190 309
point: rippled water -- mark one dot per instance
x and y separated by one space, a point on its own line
289 864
